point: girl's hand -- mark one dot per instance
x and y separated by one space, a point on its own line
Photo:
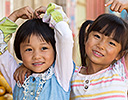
39 11
118 5
24 13
54 14
19 74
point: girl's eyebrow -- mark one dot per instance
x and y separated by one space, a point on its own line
44 43
112 39
25 45
28 44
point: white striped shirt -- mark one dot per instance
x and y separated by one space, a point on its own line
108 84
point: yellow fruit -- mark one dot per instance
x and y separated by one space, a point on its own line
2 98
1 73
5 84
2 90
8 96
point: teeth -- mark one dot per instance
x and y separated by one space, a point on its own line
37 63
98 53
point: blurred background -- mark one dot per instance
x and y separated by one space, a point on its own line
77 10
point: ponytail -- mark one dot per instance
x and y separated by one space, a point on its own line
82 34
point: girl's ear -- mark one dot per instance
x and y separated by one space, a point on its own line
86 31
120 55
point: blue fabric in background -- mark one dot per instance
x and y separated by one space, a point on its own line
123 14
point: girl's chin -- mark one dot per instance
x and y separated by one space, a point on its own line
39 71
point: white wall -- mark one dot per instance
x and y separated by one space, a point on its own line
2 8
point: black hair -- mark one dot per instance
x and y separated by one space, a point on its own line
108 24
33 27
82 34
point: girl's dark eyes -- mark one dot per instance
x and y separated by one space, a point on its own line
28 49
97 36
44 48
112 43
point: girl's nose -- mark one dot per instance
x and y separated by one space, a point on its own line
101 45
36 55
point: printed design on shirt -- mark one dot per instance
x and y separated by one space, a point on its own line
55 14
3 42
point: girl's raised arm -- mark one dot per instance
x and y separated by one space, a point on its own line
58 20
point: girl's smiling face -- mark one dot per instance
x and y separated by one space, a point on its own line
101 49
37 55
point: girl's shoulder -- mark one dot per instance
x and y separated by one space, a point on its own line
120 67
77 68
126 59
120 62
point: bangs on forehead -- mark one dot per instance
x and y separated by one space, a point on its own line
41 37
109 25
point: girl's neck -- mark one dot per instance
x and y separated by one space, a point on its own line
92 68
